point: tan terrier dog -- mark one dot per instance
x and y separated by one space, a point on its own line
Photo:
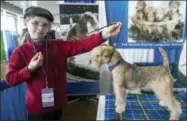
149 14
161 14
140 6
128 76
174 6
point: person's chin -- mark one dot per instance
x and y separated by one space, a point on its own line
40 37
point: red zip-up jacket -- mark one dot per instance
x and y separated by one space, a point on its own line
58 52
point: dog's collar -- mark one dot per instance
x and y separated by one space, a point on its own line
113 66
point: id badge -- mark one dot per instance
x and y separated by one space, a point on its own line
47 97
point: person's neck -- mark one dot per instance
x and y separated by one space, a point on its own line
37 42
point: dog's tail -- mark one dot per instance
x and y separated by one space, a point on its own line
166 65
165 57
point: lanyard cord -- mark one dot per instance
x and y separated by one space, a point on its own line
116 40
44 70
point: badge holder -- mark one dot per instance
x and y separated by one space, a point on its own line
47 97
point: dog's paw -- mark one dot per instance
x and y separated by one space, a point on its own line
137 91
115 104
174 118
161 103
120 109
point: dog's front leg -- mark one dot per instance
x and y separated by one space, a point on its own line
120 95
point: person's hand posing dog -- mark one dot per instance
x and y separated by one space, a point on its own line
111 30
36 62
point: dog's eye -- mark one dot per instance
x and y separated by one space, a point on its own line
97 56
106 56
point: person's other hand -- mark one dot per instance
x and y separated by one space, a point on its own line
36 61
111 30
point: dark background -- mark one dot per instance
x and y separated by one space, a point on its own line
74 11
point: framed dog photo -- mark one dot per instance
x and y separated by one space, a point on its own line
156 21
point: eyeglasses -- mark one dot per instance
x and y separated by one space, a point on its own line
37 24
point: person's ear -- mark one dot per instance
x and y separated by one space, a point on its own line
49 27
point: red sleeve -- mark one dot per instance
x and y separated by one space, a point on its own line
71 48
17 71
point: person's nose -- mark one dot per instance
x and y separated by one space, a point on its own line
40 27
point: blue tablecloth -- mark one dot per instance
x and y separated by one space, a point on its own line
142 107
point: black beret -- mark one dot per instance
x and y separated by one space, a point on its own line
38 11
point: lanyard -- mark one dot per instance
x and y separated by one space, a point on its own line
43 70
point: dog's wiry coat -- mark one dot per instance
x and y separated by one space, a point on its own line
130 76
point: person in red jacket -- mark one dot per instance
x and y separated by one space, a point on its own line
42 64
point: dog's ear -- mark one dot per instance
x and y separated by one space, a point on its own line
111 52
107 48
95 51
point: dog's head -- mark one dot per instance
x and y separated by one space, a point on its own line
89 19
149 13
140 5
174 6
140 15
160 13
103 54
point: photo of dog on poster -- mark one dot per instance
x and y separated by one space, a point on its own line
77 21
156 21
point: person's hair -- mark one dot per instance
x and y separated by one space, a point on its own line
38 11
23 32
22 36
